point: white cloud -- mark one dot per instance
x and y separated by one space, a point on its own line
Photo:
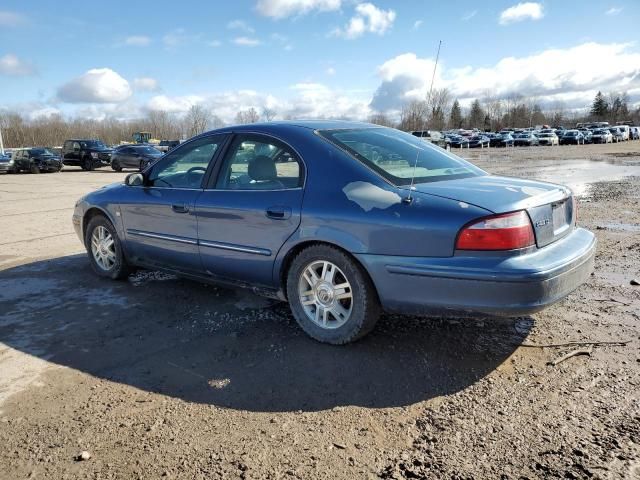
469 15
246 41
137 41
331 71
15 67
417 24
522 11
552 74
146 84
178 38
170 104
98 85
240 25
11 19
285 8
43 112
308 100
214 43
367 19
613 11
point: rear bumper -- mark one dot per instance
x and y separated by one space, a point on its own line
485 284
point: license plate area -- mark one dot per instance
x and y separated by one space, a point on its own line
561 217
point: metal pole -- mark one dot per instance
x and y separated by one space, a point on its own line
1 143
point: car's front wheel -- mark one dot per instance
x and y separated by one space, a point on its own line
34 168
87 164
115 165
331 296
105 250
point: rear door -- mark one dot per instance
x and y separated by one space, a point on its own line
251 207
159 217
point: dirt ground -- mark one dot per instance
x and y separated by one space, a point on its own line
163 377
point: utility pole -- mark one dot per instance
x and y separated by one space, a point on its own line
1 142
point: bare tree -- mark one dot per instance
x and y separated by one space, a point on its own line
268 114
244 117
196 120
413 116
381 119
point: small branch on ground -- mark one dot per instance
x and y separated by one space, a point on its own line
573 353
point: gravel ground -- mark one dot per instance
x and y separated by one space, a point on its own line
163 377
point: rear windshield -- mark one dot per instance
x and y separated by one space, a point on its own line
397 155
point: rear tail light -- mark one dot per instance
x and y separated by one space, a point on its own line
499 232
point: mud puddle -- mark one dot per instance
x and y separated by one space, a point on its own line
579 174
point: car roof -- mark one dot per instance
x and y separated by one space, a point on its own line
284 125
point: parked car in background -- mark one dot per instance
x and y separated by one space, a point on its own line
502 140
35 160
479 141
601 135
432 136
587 135
342 220
617 134
635 133
525 140
6 163
572 137
86 153
626 132
458 141
548 138
134 156
167 145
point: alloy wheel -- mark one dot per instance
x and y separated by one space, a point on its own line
325 294
103 248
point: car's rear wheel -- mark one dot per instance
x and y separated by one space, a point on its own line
105 250
331 296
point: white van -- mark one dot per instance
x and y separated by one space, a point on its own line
626 131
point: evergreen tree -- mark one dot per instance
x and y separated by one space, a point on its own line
476 115
455 117
600 107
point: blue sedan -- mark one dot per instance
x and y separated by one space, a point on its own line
343 220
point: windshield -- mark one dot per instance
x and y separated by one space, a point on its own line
394 154
93 144
42 151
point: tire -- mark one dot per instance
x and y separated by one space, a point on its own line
87 164
362 306
34 169
118 269
116 166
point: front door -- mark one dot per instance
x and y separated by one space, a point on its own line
250 209
159 217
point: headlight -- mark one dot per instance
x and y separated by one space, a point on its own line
94 155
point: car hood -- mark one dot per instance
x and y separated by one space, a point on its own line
497 194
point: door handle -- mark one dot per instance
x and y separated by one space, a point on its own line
279 213
180 208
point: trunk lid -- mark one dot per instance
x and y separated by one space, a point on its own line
549 206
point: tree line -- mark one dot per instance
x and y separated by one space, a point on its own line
439 112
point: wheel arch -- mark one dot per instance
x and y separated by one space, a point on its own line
93 212
287 259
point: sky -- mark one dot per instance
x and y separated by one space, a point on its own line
308 58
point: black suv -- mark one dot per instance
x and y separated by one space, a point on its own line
36 160
88 153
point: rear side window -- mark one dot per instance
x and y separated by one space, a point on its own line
397 155
256 162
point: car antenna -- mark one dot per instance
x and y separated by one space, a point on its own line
408 199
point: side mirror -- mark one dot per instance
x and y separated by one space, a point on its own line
134 180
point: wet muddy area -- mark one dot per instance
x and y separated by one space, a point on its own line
161 377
